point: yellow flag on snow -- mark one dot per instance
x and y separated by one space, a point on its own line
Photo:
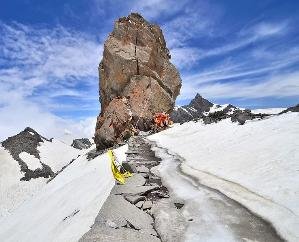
120 177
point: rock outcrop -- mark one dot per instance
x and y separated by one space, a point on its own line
137 80
81 144
194 110
27 141
202 109
291 109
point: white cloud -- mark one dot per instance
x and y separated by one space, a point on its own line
280 85
42 64
21 113
184 57
265 29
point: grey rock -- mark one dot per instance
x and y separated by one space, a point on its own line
139 204
149 231
147 205
134 198
81 144
117 208
107 234
142 169
291 109
132 190
128 166
171 228
135 180
112 224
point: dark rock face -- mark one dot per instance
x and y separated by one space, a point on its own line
137 80
194 110
27 141
81 144
200 109
291 109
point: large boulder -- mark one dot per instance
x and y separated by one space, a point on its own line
137 80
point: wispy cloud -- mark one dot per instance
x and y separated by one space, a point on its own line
281 85
267 29
40 65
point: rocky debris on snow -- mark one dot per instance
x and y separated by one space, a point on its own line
81 144
241 116
137 80
291 109
135 210
202 109
27 141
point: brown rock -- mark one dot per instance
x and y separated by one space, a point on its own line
136 66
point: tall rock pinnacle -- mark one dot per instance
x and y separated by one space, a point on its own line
137 80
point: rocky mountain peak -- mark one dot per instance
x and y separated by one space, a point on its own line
200 104
202 109
27 141
137 80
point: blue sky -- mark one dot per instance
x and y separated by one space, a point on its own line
240 52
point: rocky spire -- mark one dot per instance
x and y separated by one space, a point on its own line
136 79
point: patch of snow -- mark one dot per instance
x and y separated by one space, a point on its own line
31 133
193 109
31 161
217 108
66 207
57 154
184 109
255 164
268 110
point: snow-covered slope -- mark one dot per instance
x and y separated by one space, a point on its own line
268 110
256 164
22 154
66 207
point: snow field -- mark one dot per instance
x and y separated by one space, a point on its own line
257 164
66 207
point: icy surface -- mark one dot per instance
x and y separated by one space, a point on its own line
256 164
66 207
